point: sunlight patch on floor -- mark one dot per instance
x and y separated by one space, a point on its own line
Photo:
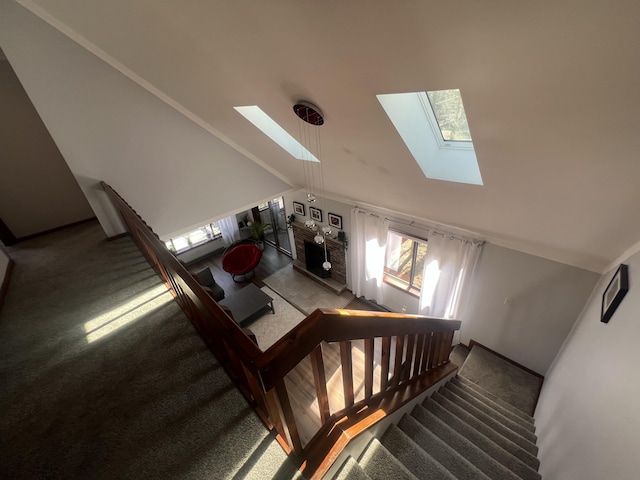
116 318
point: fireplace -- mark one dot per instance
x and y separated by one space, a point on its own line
335 252
314 255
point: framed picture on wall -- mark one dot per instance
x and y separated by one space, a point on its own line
335 220
614 293
315 214
298 208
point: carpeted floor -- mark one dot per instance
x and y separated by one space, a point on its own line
459 355
505 380
104 377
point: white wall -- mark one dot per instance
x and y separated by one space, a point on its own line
174 173
587 416
546 297
37 190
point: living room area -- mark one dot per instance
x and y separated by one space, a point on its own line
289 291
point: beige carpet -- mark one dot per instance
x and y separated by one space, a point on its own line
273 326
505 380
303 293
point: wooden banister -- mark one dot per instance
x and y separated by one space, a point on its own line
339 326
408 353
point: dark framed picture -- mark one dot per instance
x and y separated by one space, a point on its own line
615 292
315 214
298 208
335 220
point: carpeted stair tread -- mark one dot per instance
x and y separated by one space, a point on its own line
486 419
479 440
460 420
493 405
478 405
380 464
417 461
495 398
446 456
350 470
483 407
473 454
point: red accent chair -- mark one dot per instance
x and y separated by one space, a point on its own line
241 261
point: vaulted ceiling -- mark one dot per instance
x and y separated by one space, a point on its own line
550 91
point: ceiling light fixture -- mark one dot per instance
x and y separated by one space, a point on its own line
311 116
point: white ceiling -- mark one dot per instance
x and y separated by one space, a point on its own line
550 90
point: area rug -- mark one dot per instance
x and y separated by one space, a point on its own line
505 380
303 293
271 327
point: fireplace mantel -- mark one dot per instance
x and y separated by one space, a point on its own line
335 247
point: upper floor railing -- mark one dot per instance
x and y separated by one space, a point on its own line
327 379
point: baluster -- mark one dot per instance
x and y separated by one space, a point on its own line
347 373
289 421
385 357
435 349
255 389
275 416
428 342
417 365
406 371
397 365
320 380
447 339
368 367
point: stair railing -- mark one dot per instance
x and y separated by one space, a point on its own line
398 357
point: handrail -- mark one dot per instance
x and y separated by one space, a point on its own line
402 356
330 325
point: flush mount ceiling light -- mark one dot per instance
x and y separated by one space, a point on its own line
434 128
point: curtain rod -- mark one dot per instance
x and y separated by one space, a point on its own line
413 224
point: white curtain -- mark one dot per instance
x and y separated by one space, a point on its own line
448 268
369 241
229 228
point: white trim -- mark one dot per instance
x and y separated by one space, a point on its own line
130 74
576 260
623 257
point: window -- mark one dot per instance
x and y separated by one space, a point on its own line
404 261
434 127
275 132
449 112
197 237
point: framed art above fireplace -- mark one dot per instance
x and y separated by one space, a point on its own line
315 214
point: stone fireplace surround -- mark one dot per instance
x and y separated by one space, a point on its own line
334 247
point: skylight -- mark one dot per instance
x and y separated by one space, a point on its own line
275 132
443 150
449 111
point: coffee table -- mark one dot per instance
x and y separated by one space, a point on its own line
248 304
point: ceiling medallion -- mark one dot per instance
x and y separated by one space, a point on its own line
308 112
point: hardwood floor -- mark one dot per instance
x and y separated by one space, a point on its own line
301 387
272 261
